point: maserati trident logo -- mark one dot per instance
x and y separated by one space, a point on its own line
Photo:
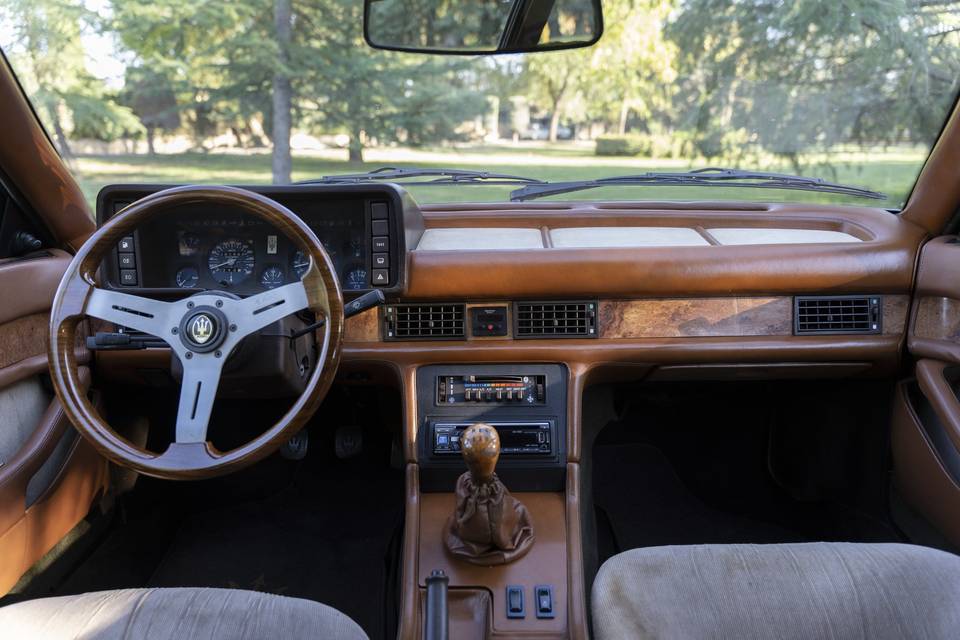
201 328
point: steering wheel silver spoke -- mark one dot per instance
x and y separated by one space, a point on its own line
201 378
263 309
143 314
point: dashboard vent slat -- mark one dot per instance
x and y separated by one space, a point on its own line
837 314
555 319
424 322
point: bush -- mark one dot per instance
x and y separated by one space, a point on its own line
619 146
651 145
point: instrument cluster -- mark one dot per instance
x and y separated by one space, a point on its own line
215 246
243 254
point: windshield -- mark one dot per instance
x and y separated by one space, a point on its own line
258 91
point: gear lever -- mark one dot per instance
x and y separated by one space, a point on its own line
489 526
480 447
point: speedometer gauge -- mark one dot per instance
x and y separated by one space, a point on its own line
231 262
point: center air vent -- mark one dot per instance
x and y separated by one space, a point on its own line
424 322
570 319
837 314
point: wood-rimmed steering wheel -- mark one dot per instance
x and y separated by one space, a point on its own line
202 330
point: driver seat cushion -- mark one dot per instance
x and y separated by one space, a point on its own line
778 591
161 614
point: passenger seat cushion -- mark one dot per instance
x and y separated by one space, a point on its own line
168 614
786 591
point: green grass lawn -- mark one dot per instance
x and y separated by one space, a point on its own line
892 172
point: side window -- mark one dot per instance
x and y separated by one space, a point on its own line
19 235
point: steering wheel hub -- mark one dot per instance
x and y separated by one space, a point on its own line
203 329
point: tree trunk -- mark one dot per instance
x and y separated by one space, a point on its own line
624 114
554 122
282 95
151 149
355 148
58 131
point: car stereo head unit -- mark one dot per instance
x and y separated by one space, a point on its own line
516 438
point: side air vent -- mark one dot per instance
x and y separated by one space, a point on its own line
424 322
837 314
567 319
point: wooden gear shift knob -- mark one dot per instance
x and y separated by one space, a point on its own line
480 446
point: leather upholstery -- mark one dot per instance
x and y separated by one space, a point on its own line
489 525
802 591
48 480
160 614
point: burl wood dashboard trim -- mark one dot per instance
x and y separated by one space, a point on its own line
672 318
938 318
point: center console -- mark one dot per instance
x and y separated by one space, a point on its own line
526 592
527 406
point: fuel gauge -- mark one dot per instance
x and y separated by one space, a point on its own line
187 277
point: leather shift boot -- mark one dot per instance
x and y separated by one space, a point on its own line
489 526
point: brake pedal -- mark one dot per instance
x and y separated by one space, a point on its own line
348 441
296 447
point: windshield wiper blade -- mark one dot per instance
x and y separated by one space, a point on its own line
711 176
441 176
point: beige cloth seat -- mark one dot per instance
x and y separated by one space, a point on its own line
181 614
812 591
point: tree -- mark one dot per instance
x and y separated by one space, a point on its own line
47 48
807 75
553 78
377 95
631 70
282 93
218 55
151 97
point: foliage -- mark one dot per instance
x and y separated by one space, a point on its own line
807 75
46 43
707 79
649 145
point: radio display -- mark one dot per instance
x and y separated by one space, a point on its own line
497 389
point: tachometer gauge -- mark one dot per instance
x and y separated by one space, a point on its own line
187 277
231 262
300 263
356 278
272 277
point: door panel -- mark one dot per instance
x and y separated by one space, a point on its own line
48 475
925 432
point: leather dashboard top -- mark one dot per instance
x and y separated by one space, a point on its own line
882 262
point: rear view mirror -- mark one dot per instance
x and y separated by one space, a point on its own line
472 27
